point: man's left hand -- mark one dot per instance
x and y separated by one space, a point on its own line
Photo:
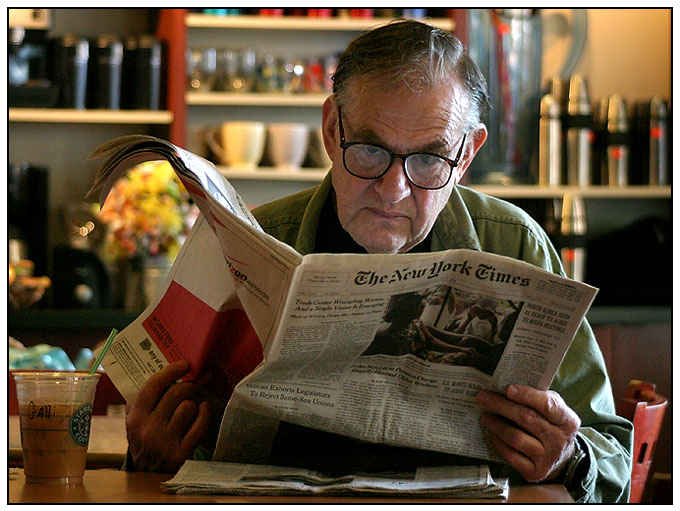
534 430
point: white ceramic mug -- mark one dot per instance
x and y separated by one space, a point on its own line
238 144
287 144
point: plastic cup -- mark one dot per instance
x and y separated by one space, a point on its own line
55 411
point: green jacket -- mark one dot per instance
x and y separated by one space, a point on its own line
476 221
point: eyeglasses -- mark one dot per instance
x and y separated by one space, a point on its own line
424 170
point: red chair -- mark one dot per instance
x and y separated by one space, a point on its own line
645 409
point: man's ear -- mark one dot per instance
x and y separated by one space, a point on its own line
329 126
475 140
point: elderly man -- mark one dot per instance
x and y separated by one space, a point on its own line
401 128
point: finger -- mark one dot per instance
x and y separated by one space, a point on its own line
526 417
520 462
513 436
549 405
155 387
180 392
181 419
198 429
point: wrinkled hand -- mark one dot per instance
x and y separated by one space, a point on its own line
534 430
164 426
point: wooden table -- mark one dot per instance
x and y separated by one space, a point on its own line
114 486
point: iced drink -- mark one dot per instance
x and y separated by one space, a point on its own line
55 414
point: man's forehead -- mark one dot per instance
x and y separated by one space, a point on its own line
444 106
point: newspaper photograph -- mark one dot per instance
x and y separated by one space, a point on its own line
383 348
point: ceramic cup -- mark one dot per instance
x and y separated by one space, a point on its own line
238 144
287 144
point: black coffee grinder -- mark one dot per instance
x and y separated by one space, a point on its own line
81 279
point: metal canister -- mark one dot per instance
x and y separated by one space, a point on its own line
142 63
651 142
549 143
106 67
579 133
70 57
572 232
618 151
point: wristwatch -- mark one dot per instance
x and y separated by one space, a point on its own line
576 468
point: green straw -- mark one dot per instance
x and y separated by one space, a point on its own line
103 351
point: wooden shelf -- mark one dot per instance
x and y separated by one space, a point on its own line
587 192
274 174
66 115
296 22
508 192
256 99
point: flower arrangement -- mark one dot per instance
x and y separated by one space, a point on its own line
147 213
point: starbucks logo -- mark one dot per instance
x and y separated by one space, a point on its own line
80 424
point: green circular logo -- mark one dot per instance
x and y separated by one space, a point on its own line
80 424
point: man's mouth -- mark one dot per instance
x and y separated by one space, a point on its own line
387 215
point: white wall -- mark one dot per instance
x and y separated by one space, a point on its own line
628 50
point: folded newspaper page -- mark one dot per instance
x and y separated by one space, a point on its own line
244 479
388 349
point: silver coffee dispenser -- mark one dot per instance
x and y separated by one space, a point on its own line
507 45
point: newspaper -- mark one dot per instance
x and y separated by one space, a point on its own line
388 349
247 479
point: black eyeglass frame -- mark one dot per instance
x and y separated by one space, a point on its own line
452 163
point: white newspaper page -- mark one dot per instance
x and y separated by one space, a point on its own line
394 349
234 478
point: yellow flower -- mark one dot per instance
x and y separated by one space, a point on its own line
147 212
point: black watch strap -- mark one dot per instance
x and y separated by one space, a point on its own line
577 467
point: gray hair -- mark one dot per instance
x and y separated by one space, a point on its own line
415 55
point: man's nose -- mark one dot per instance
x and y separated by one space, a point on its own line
393 185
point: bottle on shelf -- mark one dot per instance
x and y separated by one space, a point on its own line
579 132
617 150
650 143
549 142
69 56
573 229
105 72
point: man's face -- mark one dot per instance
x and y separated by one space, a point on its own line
389 214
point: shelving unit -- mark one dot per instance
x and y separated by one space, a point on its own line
181 30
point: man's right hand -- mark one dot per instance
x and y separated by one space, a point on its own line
164 426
